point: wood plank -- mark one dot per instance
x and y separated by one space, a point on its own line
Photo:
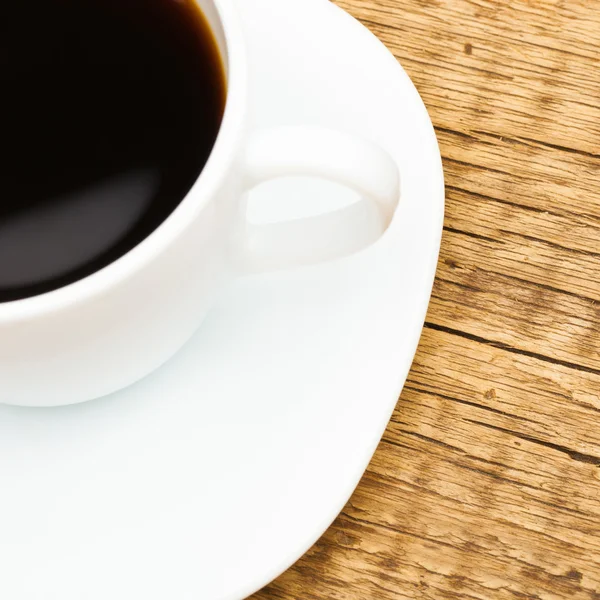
553 403
511 295
554 183
563 235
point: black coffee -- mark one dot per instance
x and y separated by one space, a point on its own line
109 110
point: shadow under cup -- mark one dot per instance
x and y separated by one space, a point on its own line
110 111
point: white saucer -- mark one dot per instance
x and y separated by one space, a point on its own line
211 477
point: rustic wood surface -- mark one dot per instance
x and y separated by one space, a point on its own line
487 483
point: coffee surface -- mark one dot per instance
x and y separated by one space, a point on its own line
109 110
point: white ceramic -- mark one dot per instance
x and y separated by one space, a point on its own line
109 330
207 479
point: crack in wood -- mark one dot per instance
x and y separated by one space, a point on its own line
468 403
552 244
511 349
472 235
573 454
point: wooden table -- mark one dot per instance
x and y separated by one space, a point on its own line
487 483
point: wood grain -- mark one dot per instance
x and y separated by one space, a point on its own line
487 482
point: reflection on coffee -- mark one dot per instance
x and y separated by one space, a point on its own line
109 110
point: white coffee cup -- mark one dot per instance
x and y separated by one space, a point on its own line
105 332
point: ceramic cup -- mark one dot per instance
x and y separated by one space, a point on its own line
105 332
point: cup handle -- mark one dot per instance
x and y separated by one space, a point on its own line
343 158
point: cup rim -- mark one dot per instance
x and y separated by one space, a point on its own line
204 188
